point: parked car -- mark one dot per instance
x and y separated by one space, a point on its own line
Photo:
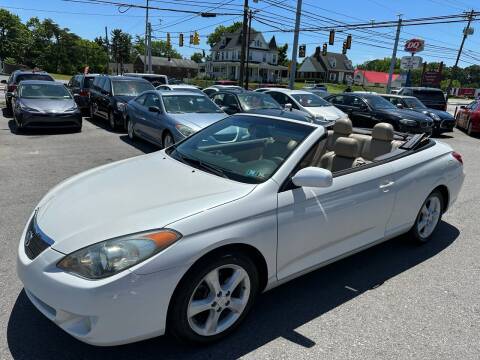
256 103
442 121
367 110
79 86
182 87
109 96
44 104
319 92
468 117
216 88
184 239
315 86
307 102
431 97
155 79
166 117
16 77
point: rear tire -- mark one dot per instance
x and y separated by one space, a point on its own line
111 121
130 130
92 112
213 298
428 218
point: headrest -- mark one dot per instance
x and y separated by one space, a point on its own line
343 126
292 144
383 131
346 147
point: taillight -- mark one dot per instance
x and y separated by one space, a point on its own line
84 92
11 88
458 157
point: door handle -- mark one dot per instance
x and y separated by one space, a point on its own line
385 187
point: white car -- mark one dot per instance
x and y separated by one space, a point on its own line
192 234
216 88
306 101
180 87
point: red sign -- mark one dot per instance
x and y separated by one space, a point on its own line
414 45
431 78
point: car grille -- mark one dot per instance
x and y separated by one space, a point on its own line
35 241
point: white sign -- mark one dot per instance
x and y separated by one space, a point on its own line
410 62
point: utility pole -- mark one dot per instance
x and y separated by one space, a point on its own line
150 48
394 55
146 40
107 45
466 32
248 47
293 67
244 42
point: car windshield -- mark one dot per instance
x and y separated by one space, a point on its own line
87 82
255 101
310 100
131 87
378 102
414 103
179 104
429 95
24 77
195 90
44 91
247 149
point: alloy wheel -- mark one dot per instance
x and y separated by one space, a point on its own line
429 216
168 141
130 131
219 300
111 121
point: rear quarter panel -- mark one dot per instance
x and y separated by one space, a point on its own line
416 176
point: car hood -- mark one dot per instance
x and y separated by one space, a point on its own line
142 193
330 113
49 105
197 121
442 114
405 114
293 114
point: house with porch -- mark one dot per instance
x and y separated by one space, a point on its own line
332 67
224 59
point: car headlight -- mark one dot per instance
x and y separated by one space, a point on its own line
432 115
121 106
408 122
72 109
27 108
109 257
185 130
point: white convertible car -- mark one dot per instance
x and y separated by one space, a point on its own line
184 239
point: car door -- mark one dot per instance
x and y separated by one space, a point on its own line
360 113
105 94
153 120
230 104
317 225
138 113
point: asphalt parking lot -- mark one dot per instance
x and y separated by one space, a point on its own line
394 301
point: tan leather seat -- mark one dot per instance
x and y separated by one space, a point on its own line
345 155
381 143
341 128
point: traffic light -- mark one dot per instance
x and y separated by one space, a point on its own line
196 38
331 38
191 39
344 47
180 40
349 41
168 40
324 49
302 49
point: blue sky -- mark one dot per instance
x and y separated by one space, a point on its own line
441 40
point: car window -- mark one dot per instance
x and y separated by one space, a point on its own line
209 91
414 103
22 77
282 99
255 100
106 86
229 100
472 106
237 147
435 95
338 99
162 87
378 102
179 104
141 99
218 99
131 87
43 91
100 83
152 100
87 81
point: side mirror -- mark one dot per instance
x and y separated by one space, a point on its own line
3 82
154 109
400 106
288 106
313 177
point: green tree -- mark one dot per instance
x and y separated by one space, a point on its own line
382 65
13 36
121 47
197 57
216 35
159 48
282 55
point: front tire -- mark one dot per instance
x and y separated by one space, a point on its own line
469 129
213 298
111 121
130 130
167 140
428 217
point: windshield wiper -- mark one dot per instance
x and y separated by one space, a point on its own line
201 165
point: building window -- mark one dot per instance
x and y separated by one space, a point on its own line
332 76
274 59
264 57
217 55
223 55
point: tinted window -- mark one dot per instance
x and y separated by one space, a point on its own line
414 103
87 82
237 147
377 102
431 95
252 101
179 104
151 100
282 99
106 85
131 87
218 99
22 77
44 91
99 83
141 99
339 99
310 100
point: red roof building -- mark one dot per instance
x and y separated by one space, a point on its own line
374 78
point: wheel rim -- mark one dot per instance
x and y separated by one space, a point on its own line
168 141
111 120
219 300
429 216
130 129
469 129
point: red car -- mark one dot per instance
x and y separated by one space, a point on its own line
468 117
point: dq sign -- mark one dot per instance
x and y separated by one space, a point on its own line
414 45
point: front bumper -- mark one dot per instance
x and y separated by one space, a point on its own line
49 120
444 125
416 129
123 308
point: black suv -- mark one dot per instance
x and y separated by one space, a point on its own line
431 97
16 77
79 86
109 96
366 110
